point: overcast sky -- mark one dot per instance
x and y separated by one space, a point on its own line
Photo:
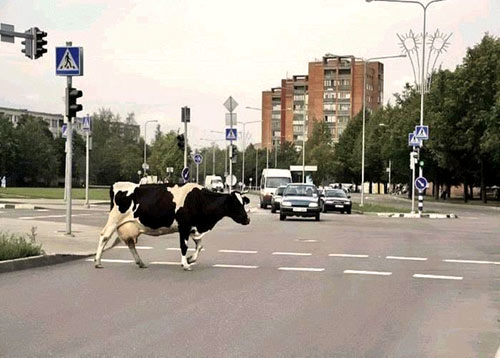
153 57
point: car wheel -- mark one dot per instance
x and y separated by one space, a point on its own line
273 209
341 211
324 209
261 205
282 217
317 217
349 211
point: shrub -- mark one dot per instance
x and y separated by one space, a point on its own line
13 246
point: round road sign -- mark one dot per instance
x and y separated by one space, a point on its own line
421 183
198 158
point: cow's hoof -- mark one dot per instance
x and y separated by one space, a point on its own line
190 260
98 266
187 268
142 265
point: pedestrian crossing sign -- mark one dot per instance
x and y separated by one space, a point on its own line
422 132
413 141
231 134
69 61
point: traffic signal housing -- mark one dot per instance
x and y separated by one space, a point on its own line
73 107
180 141
28 46
39 43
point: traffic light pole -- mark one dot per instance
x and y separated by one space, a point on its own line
230 186
185 143
69 154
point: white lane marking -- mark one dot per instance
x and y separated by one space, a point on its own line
380 273
238 251
178 249
406 258
347 255
41 210
441 277
235 266
306 240
165 263
292 253
137 247
497 355
310 269
49 216
113 260
473 262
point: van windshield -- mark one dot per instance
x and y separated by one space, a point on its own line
216 181
276 182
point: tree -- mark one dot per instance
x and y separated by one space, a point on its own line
9 148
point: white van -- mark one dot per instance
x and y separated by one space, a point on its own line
269 181
214 183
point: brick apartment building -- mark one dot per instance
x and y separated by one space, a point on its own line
331 92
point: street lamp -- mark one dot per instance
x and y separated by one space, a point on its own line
364 119
244 147
213 152
145 126
270 134
422 78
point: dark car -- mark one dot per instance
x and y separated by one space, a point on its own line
336 200
277 197
300 200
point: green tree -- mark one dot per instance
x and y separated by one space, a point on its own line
9 148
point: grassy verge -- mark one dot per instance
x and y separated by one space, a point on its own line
51 193
14 246
376 208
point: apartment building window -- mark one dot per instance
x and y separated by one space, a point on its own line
343 119
330 95
330 107
344 94
327 83
299 97
345 82
344 107
298 129
277 107
369 87
330 118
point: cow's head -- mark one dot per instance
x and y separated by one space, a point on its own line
235 206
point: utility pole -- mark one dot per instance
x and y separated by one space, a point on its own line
230 104
186 117
86 128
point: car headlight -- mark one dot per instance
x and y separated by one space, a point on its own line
286 203
313 205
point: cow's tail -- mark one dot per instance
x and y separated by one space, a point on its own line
111 198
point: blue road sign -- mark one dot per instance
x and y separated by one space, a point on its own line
86 124
64 130
185 174
413 141
198 158
231 134
422 132
421 183
69 61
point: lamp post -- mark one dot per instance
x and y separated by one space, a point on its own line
145 127
270 134
244 147
422 78
213 150
364 120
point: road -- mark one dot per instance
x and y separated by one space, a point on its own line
347 286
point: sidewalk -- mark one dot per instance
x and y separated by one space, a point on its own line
83 240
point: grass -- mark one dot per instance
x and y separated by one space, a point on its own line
51 193
14 246
376 208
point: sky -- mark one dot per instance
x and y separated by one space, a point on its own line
153 57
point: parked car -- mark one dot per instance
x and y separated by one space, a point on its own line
277 197
300 200
214 183
336 200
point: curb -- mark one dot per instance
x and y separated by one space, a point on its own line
37 261
20 206
418 216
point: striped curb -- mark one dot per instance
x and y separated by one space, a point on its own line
37 261
20 206
418 216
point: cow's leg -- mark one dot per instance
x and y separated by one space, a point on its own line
106 234
138 261
128 233
196 236
183 238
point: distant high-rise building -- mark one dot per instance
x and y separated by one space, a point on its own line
331 92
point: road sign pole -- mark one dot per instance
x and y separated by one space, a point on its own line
197 165
412 161
69 155
87 205
230 188
420 202
185 143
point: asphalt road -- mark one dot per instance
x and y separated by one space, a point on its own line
347 286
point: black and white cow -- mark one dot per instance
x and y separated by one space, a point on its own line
159 209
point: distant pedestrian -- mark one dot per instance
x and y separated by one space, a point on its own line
4 182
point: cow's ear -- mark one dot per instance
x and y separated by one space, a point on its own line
246 200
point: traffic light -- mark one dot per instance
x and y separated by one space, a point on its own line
180 141
28 46
234 154
73 107
39 41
